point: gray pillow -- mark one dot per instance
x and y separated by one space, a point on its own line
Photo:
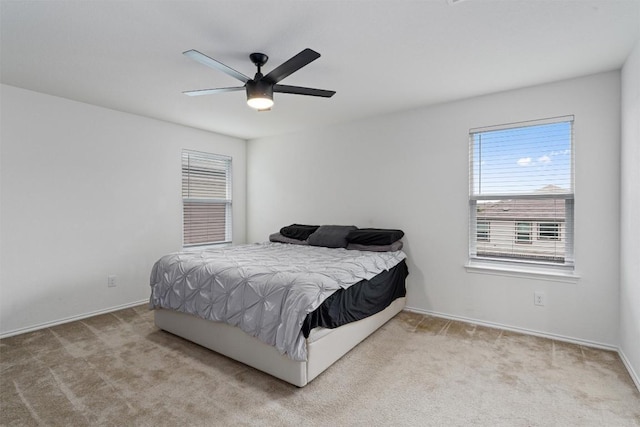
395 246
279 238
331 236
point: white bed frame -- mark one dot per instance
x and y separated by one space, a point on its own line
324 346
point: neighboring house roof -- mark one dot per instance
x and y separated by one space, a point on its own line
522 209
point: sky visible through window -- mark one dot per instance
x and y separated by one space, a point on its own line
523 160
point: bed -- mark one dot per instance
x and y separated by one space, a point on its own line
290 307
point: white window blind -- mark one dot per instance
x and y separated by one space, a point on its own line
521 192
206 198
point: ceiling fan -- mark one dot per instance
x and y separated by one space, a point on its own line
260 89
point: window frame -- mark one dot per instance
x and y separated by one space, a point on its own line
531 264
220 164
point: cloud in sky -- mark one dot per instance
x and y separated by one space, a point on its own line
528 161
524 161
544 159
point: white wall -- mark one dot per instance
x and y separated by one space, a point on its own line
630 214
410 171
88 192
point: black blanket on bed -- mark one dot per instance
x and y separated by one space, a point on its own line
358 301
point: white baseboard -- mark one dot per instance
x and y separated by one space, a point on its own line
634 375
586 343
525 331
70 319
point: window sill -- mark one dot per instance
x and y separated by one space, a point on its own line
197 248
523 271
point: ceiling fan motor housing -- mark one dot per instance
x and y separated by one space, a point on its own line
259 89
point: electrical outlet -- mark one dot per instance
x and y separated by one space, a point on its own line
539 298
112 281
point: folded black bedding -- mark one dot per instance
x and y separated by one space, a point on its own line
298 231
359 301
374 236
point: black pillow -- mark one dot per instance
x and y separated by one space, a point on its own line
374 236
298 231
331 236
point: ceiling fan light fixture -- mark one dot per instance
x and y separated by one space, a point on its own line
260 103
259 95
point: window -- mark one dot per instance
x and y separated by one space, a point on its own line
521 190
482 231
549 231
206 198
523 232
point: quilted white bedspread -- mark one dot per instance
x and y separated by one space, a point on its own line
266 289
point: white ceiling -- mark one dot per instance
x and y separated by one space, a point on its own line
380 56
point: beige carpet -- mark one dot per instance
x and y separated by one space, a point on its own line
118 369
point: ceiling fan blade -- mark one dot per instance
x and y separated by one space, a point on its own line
211 91
292 65
210 62
297 90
